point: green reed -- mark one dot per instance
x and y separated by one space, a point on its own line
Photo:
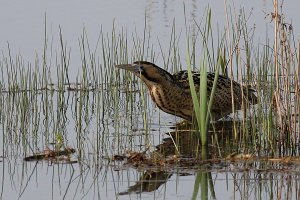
202 101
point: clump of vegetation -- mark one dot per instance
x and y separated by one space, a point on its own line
271 69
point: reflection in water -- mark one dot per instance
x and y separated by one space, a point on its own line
96 177
248 179
169 12
149 181
80 181
185 142
166 19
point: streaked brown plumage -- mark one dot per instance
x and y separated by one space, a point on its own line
171 93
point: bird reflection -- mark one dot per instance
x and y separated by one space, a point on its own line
148 182
183 141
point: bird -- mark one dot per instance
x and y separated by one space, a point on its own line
171 93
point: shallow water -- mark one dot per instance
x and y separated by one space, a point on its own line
34 181
114 119
93 175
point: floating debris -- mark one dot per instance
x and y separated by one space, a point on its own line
240 156
53 155
119 157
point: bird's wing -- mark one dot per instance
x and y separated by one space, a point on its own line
223 92
182 79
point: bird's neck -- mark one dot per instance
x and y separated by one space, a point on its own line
164 87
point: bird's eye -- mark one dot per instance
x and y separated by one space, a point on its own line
139 69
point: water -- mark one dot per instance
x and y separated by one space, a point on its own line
110 122
23 22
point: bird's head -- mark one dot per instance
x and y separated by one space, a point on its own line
148 72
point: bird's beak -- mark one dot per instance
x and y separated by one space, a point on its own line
130 67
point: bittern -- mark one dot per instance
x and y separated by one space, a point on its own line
171 93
